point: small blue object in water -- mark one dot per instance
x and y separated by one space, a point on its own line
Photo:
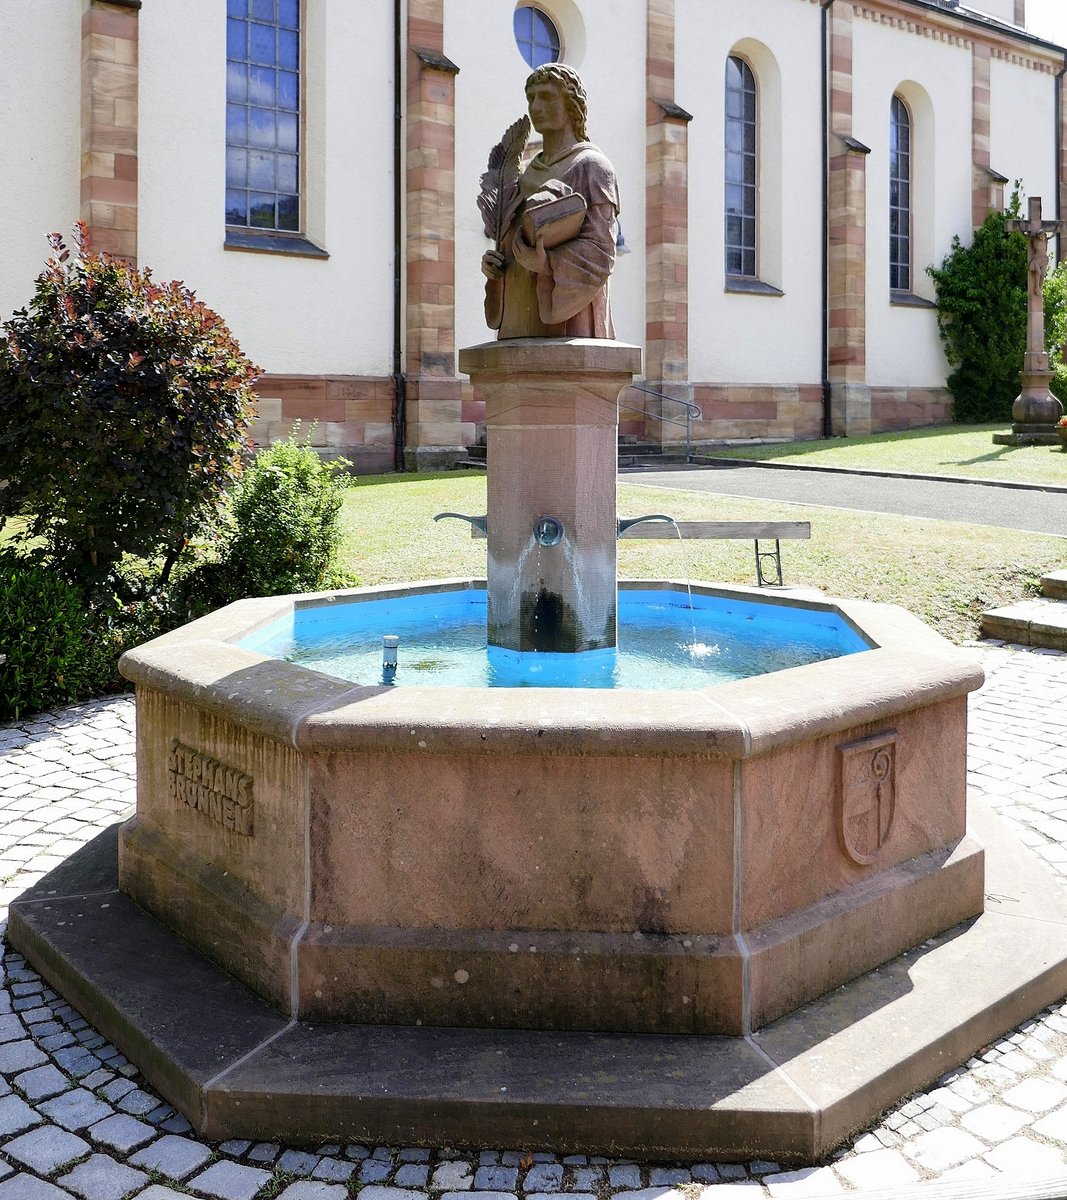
667 639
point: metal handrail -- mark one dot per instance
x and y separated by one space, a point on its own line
691 411
694 409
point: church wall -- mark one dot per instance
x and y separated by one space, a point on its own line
292 314
482 45
41 125
724 345
322 328
1023 130
934 77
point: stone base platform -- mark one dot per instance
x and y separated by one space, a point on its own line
1028 435
791 1092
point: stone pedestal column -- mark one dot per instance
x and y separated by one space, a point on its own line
551 418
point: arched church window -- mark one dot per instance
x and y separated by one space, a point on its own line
741 173
263 114
536 36
900 182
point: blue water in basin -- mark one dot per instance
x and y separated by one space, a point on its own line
666 640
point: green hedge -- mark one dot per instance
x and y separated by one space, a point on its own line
283 530
981 316
56 652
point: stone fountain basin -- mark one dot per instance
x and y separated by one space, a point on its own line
632 861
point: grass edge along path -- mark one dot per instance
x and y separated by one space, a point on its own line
965 451
945 573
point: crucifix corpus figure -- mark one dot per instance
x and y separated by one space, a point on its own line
552 224
1036 410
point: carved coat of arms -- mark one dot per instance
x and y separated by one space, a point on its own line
866 795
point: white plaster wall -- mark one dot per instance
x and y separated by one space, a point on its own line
1022 131
291 315
605 43
736 338
297 315
40 127
903 347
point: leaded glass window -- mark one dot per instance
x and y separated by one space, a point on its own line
741 168
263 114
536 36
899 196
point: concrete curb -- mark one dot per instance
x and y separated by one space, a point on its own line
966 479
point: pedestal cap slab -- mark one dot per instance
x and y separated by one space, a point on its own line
561 356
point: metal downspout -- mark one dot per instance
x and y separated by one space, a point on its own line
1058 127
399 389
827 412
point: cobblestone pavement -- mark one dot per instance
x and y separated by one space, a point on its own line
76 1119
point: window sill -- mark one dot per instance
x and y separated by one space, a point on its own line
273 243
910 300
750 287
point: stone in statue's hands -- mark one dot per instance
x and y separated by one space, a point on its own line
533 258
493 263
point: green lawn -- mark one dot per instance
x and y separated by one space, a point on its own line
940 450
943 572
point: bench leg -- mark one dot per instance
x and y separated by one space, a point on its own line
764 560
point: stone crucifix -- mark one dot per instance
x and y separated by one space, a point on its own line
1036 410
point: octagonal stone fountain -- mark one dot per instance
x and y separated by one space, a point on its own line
599 860
731 921
459 915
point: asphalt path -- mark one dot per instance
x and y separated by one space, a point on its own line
1027 509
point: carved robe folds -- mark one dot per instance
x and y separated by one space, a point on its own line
572 301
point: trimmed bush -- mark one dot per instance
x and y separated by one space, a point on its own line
54 653
981 316
124 405
1056 329
283 534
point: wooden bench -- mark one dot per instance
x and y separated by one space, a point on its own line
768 562
660 529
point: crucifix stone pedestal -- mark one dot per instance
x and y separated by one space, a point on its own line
1035 411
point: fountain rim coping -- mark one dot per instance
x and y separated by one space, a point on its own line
909 667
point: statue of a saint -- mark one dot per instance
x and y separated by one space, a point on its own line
548 275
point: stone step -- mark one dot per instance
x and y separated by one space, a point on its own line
1054 585
1038 622
650 462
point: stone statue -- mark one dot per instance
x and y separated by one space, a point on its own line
554 224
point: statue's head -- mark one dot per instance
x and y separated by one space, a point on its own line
571 89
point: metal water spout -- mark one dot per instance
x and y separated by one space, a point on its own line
548 531
476 522
622 526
